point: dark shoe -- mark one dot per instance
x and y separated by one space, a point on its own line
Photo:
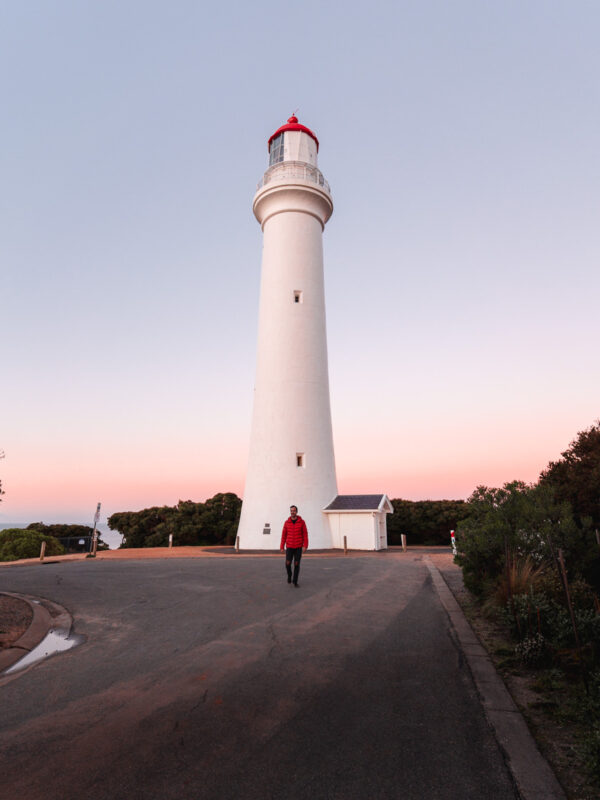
296 584
289 578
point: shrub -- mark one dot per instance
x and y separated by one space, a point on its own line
16 543
532 650
210 523
516 521
522 577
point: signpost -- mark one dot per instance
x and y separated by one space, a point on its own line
95 534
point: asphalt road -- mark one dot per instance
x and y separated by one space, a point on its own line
213 678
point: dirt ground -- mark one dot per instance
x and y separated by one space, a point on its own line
15 618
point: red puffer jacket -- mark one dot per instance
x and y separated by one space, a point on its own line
294 534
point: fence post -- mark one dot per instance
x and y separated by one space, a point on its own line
42 551
237 544
170 540
345 545
403 538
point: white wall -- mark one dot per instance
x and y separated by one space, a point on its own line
363 531
358 528
298 146
291 398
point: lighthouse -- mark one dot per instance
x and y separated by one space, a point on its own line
291 459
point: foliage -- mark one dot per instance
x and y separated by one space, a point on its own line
64 531
521 576
16 543
424 521
575 477
515 522
509 545
210 523
532 650
538 612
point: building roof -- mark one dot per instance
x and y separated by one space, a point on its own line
293 125
360 502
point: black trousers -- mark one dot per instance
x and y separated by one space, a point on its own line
294 553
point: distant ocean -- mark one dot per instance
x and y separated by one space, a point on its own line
112 538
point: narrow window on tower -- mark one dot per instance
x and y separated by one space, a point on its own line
299 459
297 297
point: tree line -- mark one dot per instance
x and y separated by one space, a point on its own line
210 523
519 521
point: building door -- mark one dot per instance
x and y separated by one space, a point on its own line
382 544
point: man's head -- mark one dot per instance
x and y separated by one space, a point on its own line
294 511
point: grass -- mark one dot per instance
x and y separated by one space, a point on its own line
522 577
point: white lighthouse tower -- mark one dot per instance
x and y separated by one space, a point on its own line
291 457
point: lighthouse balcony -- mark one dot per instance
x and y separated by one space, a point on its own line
293 170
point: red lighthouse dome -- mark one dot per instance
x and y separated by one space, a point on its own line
293 125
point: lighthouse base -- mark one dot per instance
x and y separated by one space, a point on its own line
261 524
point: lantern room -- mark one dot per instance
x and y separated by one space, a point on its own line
293 142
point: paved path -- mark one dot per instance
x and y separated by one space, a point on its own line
212 678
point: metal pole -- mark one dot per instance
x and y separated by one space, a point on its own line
42 551
403 538
345 545
170 540
237 544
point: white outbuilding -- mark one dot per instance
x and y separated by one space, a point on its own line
361 519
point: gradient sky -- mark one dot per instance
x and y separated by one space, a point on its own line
460 140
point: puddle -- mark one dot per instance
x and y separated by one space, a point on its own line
55 641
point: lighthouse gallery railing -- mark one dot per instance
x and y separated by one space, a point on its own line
294 169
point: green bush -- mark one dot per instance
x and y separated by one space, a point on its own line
16 543
213 522
424 522
519 521
67 531
532 650
528 615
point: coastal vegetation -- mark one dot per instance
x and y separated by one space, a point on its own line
424 521
17 543
210 523
530 556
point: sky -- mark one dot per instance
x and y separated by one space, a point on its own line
461 262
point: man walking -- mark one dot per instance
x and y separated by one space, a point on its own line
294 537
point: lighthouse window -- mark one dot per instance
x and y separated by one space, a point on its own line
297 297
276 153
299 459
